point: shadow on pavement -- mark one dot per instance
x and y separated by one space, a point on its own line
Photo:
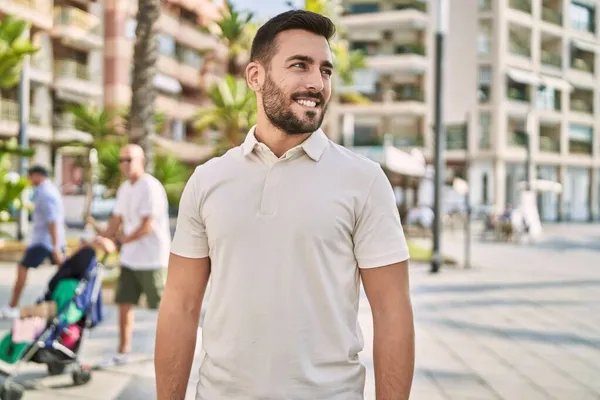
457 304
469 288
524 334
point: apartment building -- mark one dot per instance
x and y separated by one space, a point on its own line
511 67
537 72
183 74
68 69
396 37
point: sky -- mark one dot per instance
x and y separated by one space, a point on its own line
264 9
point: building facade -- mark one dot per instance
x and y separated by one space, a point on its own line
67 70
512 69
189 62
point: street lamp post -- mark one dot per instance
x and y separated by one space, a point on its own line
440 137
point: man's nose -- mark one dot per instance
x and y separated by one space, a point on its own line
314 81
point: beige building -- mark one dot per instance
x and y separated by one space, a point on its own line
510 66
67 70
182 47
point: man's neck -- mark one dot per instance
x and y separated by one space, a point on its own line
278 141
134 178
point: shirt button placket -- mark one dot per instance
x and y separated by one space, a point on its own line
268 204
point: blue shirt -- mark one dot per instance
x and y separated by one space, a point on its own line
48 208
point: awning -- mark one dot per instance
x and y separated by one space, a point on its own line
529 78
403 163
526 77
167 83
587 46
188 152
541 185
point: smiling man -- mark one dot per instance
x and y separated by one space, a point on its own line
286 226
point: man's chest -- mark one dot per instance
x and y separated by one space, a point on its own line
280 205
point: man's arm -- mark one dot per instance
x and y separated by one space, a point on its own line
144 229
382 255
178 324
113 227
387 289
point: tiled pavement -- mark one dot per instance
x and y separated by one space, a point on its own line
522 324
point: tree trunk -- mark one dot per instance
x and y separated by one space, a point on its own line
143 93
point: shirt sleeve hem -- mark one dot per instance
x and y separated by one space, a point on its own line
189 254
382 261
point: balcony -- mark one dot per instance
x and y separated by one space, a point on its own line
551 59
38 12
78 28
549 144
551 15
408 15
73 81
405 58
521 5
65 130
456 137
485 5
582 106
580 139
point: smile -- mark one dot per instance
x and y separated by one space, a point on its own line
307 103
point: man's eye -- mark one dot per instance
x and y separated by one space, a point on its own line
327 72
299 65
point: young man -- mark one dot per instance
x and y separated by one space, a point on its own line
286 225
140 227
48 240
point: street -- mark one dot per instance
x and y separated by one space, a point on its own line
523 323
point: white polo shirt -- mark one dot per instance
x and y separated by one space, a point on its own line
286 237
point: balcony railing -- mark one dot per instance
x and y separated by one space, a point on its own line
456 138
549 144
485 5
72 69
517 94
9 110
580 147
64 120
410 49
407 140
519 50
71 16
551 15
521 5
409 93
581 105
550 58
41 6
412 5
582 65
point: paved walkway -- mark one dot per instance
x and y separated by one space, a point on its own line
523 324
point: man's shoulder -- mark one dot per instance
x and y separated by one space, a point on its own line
349 162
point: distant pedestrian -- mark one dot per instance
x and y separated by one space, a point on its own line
140 228
286 225
48 240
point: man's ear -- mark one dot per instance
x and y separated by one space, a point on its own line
255 76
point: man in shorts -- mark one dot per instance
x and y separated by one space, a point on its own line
140 228
48 240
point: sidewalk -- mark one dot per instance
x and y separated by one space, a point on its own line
523 324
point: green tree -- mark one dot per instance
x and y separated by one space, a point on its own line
13 49
235 31
143 92
11 184
232 113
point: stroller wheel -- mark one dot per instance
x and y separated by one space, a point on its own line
56 368
11 391
81 376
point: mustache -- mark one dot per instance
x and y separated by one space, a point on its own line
315 95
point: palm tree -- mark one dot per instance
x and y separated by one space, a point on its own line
232 113
235 31
13 49
143 93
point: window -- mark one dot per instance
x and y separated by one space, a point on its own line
485 124
485 83
130 26
582 17
363 8
166 45
484 39
548 99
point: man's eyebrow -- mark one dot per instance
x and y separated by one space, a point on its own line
308 59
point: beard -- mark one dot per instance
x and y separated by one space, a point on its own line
278 108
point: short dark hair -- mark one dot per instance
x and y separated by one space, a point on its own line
264 44
37 169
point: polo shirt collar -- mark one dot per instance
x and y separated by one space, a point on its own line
314 146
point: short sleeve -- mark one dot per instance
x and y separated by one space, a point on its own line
148 203
378 235
49 208
119 202
190 238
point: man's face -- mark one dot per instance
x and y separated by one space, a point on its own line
130 162
297 84
35 179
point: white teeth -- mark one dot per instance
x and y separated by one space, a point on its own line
307 103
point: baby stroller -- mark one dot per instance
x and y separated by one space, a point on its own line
72 305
